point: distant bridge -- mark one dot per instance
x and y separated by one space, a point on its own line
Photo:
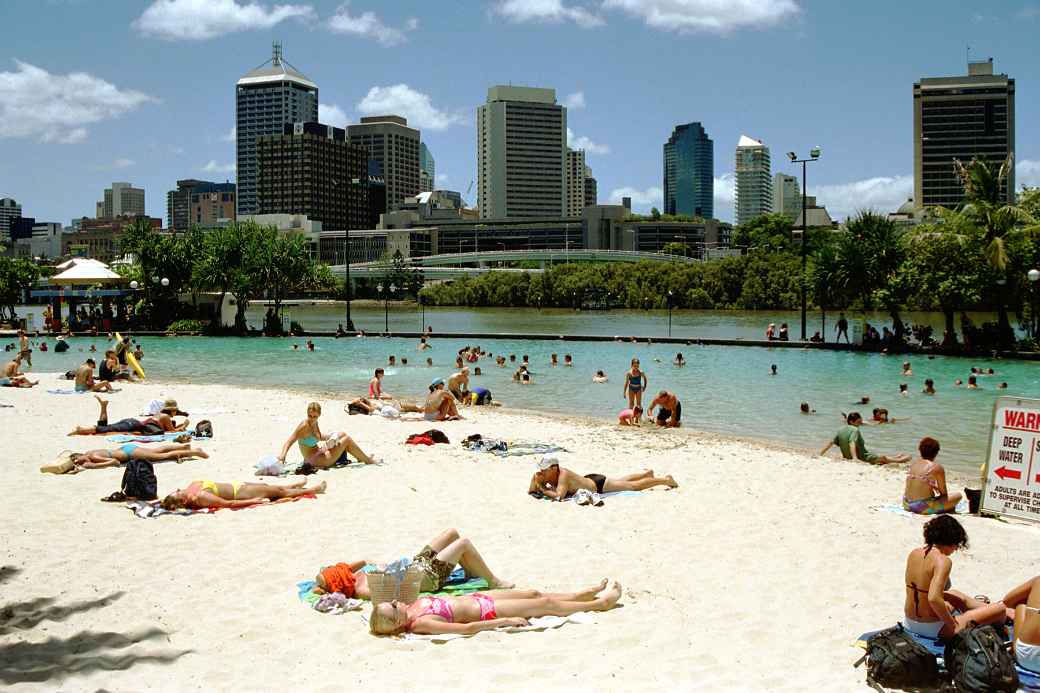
540 255
370 271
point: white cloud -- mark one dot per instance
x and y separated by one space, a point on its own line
331 114
583 142
214 167
716 16
442 178
724 195
123 163
402 100
1027 172
575 101
546 11
369 25
198 20
232 135
642 200
882 194
54 108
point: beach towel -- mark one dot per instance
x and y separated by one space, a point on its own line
1028 681
526 447
595 496
149 509
270 466
534 624
67 392
161 438
897 508
457 584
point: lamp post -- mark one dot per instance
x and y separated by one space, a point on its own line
814 154
671 298
1034 324
386 304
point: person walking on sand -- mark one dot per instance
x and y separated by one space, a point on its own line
850 441
842 328
559 483
669 413
318 450
479 611
85 379
202 494
635 385
436 561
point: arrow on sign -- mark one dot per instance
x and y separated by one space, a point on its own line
1005 473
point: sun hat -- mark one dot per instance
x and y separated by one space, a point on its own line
436 382
547 462
169 406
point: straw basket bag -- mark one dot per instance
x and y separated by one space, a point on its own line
387 587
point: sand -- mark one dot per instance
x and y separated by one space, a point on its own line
757 573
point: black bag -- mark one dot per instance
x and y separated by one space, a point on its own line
139 480
436 436
978 661
204 429
896 660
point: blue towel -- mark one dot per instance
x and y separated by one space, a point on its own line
67 392
131 438
1028 680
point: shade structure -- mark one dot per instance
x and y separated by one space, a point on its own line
79 261
86 273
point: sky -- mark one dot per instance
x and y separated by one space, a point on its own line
93 92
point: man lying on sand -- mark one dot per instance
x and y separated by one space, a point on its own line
436 561
149 426
558 483
850 441
239 494
473 613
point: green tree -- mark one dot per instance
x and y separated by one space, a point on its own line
870 253
825 281
16 277
766 233
677 248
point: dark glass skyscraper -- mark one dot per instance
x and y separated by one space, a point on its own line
689 172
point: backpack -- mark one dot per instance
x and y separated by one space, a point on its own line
139 480
979 662
204 429
896 660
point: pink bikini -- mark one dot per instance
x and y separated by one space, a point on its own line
436 606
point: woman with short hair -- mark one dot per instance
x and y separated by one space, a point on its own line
925 492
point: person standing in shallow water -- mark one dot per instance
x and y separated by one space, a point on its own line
842 328
635 386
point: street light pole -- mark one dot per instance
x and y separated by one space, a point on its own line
814 154
670 297
1034 324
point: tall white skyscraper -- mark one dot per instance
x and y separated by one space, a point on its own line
753 181
266 99
787 199
521 154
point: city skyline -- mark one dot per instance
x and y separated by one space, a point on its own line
76 113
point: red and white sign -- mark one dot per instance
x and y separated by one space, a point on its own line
1012 476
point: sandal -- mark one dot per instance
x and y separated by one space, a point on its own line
117 497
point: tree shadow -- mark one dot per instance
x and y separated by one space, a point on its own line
83 652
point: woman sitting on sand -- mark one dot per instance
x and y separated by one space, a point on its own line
115 457
925 492
317 450
202 494
440 404
1025 600
929 602
473 613
437 560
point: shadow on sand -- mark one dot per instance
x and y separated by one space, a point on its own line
81 653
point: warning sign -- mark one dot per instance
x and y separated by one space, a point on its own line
1012 477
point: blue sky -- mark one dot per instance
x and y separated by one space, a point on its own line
95 92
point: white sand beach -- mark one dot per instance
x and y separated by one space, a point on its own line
756 573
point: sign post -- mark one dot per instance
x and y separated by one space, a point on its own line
1011 480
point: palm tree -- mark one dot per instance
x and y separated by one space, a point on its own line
986 208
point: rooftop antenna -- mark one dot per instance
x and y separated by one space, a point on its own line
276 52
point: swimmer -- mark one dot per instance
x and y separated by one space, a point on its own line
423 344
863 400
552 360
404 361
679 360
1002 386
958 382
310 345
429 361
929 387
805 409
295 347
630 417
772 369
476 371
972 384
907 371
567 360
903 390
391 360
600 377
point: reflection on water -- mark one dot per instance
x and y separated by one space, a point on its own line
723 389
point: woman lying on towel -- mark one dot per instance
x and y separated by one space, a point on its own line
437 560
104 457
238 494
1025 600
931 608
317 450
151 425
364 405
473 613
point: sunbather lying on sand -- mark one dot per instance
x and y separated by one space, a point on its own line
114 457
473 613
558 483
364 405
239 494
317 450
436 560
150 425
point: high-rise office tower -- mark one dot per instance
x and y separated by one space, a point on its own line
575 182
395 146
965 117
787 199
521 154
590 188
121 200
199 202
9 211
689 172
427 169
754 184
313 169
266 99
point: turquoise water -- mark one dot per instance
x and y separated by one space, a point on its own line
723 389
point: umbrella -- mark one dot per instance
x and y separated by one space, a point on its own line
87 273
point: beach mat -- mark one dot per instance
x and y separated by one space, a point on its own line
1028 681
161 438
149 509
457 584
897 509
67 392
534 624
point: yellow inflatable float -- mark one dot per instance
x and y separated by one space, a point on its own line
131 359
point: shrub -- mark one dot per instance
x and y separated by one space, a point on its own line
186 326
